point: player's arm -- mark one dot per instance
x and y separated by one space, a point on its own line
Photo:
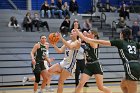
72 45
33 51
102 42
59 50
89 40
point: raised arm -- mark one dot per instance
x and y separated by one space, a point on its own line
75 44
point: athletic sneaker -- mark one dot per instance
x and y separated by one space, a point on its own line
24 80
49 89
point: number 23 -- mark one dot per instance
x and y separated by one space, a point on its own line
131 49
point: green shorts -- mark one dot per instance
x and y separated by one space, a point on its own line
132 71
38 67
93 68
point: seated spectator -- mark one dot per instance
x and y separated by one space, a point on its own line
124 12
121 23
27 22
45 10
13 22
59 8
136 31
55 10
65 26
65 9
72 26
73 7
87 25
38 23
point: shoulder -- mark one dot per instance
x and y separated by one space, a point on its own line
37 45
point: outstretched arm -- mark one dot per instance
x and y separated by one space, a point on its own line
89 40
102 42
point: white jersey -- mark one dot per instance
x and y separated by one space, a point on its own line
80 54
45 62
69 60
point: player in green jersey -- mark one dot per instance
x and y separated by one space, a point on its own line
128 52
93 67
39 55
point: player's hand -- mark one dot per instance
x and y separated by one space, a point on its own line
33 62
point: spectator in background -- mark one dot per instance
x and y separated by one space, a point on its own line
13 22
121 23
65 9
55 10
72 26
65 26
38 23
73 7
87 25
136 31
124 11
45 10
59 8
27 22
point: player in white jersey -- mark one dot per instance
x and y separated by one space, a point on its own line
64 68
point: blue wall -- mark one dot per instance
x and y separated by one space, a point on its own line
84 5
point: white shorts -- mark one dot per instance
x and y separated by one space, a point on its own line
67 66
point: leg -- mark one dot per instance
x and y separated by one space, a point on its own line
123 86
55 69
37 80
129 86
77 73
46 76
52 11
99 82
132 86
63 76
46 24
84 78
48 13
42 13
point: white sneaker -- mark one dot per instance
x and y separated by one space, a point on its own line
49 89
24 80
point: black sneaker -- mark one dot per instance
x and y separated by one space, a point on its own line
86 85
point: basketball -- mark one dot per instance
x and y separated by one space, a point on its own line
53 38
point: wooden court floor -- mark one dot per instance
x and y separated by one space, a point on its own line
67 89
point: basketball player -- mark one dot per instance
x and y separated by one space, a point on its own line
66 66
128 52
93 67
47 65
38 55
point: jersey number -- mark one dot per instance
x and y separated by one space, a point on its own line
131 49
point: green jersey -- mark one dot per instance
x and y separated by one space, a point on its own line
127 49
41 53
91 53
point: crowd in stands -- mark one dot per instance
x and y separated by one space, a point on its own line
64 10
59 8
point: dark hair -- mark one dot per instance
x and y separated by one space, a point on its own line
41 36
126 34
